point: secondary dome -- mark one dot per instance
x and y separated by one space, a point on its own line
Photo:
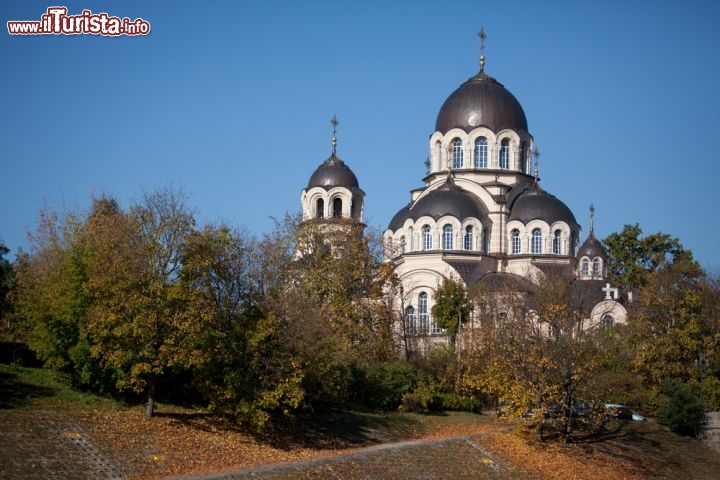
592 248
481 101
536 204
333 173
449 199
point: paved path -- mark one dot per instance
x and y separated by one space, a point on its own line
48 445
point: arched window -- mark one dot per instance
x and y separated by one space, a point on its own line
337 208
481 152
585 267
410 320
447 239
319 208
427 238
515 242
596 267
504 154
536 242
424 320
468 239
457 153
556 243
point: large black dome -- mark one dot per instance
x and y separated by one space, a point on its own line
481 101
536 204
333 173
449 199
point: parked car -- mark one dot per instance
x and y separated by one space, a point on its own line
622 412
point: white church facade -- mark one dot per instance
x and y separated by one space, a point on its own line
480 215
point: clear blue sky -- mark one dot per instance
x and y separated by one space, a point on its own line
232 100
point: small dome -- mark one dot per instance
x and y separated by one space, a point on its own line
449 199
333 173
481 101
536 204
592 247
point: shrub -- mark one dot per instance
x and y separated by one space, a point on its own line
383 385
683 410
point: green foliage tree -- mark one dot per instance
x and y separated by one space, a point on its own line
452 307
7 279
632 258
249 375
683 410
49 297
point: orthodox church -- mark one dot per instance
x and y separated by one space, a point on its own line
481 214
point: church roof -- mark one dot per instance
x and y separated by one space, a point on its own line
481 101
592 247
448 199
537 204
333 173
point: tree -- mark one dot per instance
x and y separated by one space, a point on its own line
140 322
249 374
452 307
49 297
329 304
7 279
533 354
631 259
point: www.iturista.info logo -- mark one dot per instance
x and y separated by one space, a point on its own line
57 22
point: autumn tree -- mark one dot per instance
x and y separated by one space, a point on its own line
140 323
329 304
532 354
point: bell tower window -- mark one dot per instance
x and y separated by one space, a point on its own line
337 208
319 208
585 267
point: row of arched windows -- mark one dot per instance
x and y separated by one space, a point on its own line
337 208
536 242
480 154
596 267
447 239
419 322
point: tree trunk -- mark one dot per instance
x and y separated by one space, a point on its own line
150 407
